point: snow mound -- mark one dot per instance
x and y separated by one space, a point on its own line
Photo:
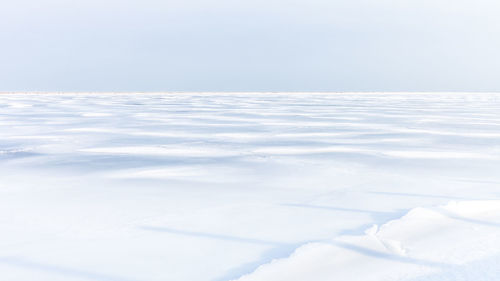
427 241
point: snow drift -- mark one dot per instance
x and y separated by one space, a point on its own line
250 186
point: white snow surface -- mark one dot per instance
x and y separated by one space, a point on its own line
250 186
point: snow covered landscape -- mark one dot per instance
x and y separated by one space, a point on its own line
250 186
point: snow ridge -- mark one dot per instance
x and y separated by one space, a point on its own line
426 242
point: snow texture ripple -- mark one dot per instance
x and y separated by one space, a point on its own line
250 186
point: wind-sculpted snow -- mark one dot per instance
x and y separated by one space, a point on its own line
249 186
421 245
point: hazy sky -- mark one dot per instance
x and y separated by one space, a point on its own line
253 45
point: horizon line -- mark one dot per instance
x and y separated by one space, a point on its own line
248 92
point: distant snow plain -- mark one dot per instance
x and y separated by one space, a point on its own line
250 186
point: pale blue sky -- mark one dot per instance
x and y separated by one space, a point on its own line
273 45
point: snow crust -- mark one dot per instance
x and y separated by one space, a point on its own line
250 186
423 243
